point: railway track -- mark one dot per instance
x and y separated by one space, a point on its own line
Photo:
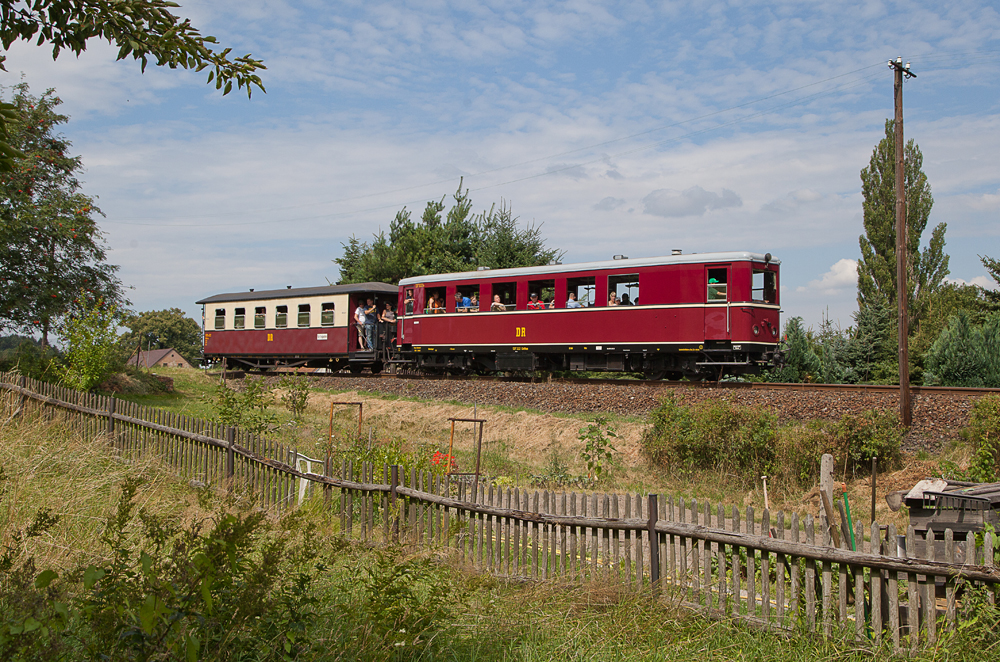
733 385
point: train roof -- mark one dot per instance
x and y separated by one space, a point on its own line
298 292
686 258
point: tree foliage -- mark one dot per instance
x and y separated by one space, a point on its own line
992 266
52 254
801 363
926 269
91 350
459 241
142 29
163 329
965 354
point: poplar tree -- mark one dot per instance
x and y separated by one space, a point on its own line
927 268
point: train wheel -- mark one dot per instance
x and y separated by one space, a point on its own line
376 367
655 375
355 369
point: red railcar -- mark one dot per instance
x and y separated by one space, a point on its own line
308 326
704 314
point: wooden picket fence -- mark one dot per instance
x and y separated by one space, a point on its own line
779 571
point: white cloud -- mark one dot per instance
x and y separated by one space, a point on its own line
842 275
694 201
609 203
981 281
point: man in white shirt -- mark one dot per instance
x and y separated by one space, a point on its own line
360 320
572 302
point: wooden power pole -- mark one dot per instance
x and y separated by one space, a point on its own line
902 281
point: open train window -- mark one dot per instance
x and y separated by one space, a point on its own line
546 291
239 318
258 317
470 292
408 302
304 311
764 286
508 296
281 317
326 315
220 318
435 302
625 287
583 289
717 284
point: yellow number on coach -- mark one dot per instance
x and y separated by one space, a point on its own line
270 337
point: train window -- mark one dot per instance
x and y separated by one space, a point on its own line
280 317
764 286
583 288
258 317
470 292
625 287
303 314
220 318
717 285
508 296
326 315
239 318
435 302
546 291
408 302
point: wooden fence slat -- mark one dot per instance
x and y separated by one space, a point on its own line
892 591
737 566
810 579
913 593
751 524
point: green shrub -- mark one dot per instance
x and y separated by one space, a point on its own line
295 394
232 588
598 451
248 409
30 359
92 351
799 448
712 435
871 434
984 433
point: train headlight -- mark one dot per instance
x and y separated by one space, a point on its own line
774 331
756 330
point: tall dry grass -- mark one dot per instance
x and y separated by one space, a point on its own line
47 465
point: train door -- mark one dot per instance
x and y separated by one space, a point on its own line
354 342
717 297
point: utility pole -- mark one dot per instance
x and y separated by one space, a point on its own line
902 281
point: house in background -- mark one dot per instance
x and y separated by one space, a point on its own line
159 358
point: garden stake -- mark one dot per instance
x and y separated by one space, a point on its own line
850 524
873 489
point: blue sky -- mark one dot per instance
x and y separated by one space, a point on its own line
629 128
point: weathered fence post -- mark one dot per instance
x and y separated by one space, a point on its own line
394 482
23 383
111 420
654 547
230 456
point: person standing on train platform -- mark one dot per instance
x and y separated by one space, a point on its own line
359 321
371 314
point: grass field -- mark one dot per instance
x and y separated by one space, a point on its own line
351 602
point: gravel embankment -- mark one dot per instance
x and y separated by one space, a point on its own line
936 418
